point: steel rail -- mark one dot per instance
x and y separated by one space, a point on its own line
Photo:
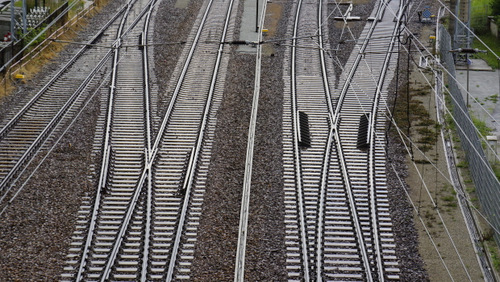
147 114
239 269
333 137
103 174
147 171
298 174
104 177
352 204
48 153
338 145
166 116
45 29
33 100
155 147
352 71
328 149
198 147
371 140
49 128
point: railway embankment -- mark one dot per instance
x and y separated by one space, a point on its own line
444 242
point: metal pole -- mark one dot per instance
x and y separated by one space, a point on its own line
257 16
12 20
467 62
25 28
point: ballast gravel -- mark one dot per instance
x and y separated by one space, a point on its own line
36 229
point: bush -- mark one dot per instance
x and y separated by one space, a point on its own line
495 8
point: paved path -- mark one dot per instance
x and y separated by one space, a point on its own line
484 89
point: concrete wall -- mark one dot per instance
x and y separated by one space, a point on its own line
493 26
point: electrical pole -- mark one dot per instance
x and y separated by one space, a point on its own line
257 16
25 27
12 20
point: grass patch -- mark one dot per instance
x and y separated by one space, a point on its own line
426 121
494 257
425 148
34 64
494 44
463 164
480 10
481 126
449 201
496 169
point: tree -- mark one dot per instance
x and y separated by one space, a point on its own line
495 7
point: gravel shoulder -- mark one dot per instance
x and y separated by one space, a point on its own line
418 253
36 230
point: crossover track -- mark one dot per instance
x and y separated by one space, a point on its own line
337 215
142 224
152 165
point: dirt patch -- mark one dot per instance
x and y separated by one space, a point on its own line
444 241
273 16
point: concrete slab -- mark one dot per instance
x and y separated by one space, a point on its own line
475 64
249 24
484 98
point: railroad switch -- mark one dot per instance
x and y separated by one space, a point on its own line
304 133
363 132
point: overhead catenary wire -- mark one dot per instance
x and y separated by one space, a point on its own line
458 125
114 46
449 112
423 225
439 171
455 248
460 257
365 111
405 28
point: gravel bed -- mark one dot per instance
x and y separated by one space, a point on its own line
406 237
35 231
221 209
171 25
219 222
25 90
341 37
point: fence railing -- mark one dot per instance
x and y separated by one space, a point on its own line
58 25
487 184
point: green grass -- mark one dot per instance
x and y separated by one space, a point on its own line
494 44
480 10
496 170
481 126
494 256
478 7
493 98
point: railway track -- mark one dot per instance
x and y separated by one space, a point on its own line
337 216
142 224
30 129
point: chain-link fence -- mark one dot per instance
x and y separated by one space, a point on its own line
479 18
487 185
